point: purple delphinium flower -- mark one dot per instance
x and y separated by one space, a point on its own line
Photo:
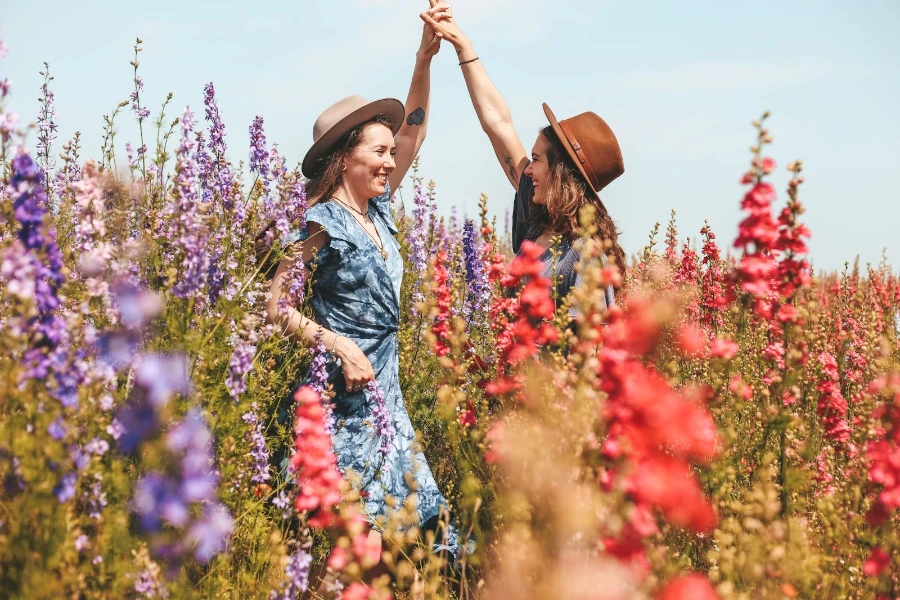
259 157
191 438
148 583
210 534
318 380
296 577
220 174
139 111
259 451
57 429
418 251
96 498
66 487
187 230
384 425
47 330
478 293
241 361
46 124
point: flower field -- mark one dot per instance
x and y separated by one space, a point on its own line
729 429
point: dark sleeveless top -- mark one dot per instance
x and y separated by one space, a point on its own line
563 267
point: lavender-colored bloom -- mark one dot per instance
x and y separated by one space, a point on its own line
4 48
220 174
192 439
140 112
161 376
96 498
65 490
82 542
478 294
211 533
148 583
418 251
241 362
384 425
135 306
157 498
97 446
318 380
57 429
204 167
259 156
259 451
46 123
80 458
29 200
97 560
187 230
296 577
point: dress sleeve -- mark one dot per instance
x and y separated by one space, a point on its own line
333 220
382 204
521 211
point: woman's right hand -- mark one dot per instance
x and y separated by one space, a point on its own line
355 364
440 17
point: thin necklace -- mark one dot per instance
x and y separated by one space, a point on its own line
365 215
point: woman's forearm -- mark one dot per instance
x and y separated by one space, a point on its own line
489 105
412 132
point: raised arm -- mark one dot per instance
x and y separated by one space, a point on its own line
492 110
412 132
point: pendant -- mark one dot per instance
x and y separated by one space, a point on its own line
384 254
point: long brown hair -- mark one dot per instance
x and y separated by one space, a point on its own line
566 194
330 168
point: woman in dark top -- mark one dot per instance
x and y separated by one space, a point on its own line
571 161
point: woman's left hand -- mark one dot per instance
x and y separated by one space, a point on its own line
431 40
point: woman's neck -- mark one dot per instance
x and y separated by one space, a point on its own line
345 194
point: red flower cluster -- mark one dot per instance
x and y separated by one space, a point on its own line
441 325
713 296
522 322
884 452
772 282
832 405
313 462
653 433
689 587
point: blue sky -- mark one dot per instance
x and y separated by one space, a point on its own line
679 83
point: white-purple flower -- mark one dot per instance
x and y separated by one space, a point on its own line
259 450
384 424
296 577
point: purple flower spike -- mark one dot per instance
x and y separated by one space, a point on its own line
384 425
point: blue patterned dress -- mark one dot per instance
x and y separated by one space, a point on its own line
356 294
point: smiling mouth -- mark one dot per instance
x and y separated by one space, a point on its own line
382 177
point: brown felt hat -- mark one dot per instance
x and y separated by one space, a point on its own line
592 145
341 117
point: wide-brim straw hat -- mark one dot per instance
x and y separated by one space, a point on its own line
341 117
592 145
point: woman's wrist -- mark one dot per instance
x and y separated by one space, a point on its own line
464 49
423 58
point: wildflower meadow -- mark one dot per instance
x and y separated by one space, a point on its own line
730 428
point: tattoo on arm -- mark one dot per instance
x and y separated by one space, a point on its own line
512 169
416 117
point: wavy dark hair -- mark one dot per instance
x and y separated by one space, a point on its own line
567 193
329 170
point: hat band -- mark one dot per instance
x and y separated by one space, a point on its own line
592 177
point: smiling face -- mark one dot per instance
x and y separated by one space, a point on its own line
369 165
539 169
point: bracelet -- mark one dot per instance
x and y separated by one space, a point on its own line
465 62
334 343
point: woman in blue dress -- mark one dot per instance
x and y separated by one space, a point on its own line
361 151
571 161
